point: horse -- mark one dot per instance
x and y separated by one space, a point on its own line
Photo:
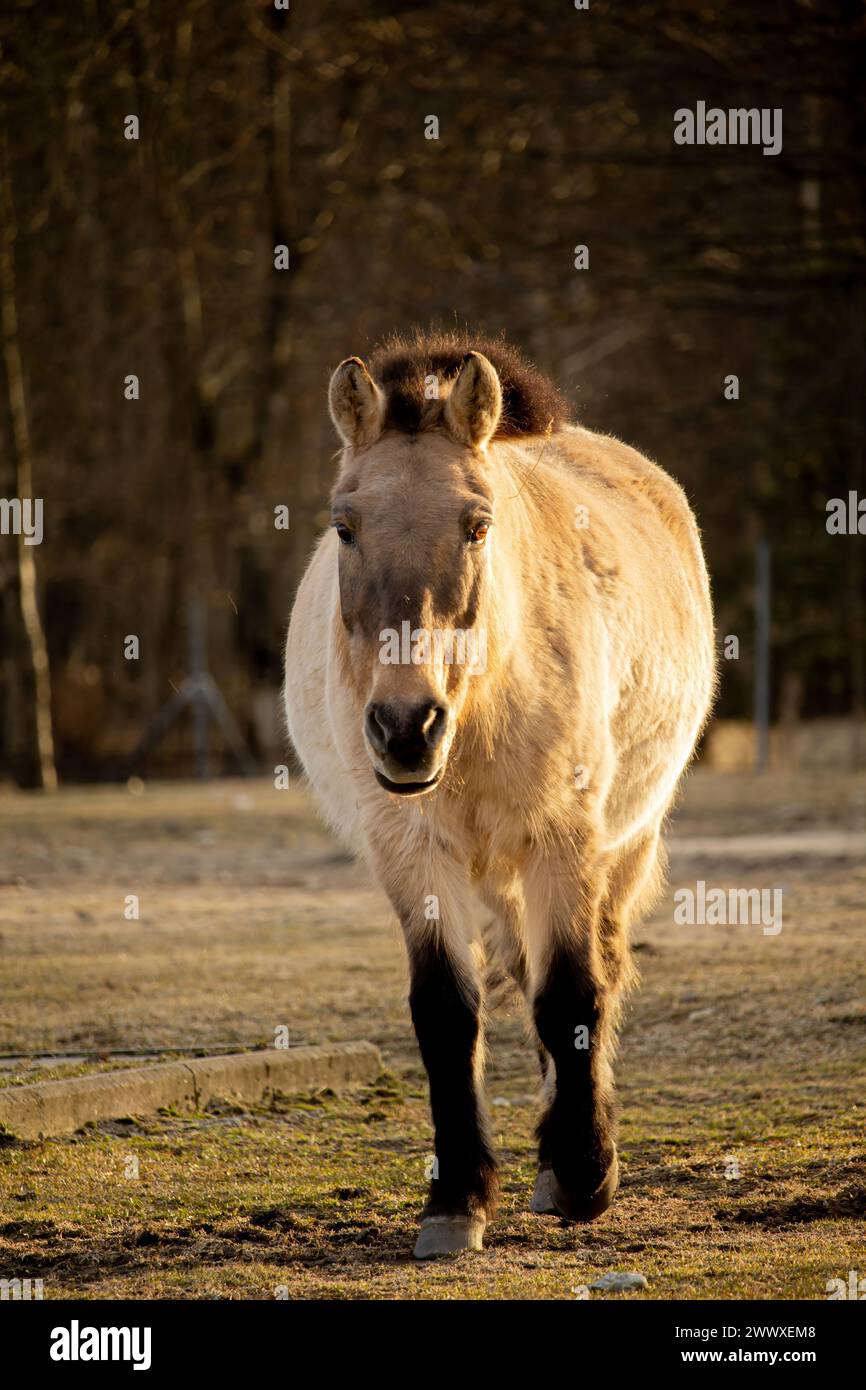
508 791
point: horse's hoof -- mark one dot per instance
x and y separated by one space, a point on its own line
551 1199
448 1235
545 1198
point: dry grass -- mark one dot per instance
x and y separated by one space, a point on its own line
736 1045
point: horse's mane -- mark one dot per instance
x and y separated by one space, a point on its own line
531 404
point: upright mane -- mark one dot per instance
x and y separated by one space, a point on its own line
531 404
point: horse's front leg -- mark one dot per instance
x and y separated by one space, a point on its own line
574 1007
445 1002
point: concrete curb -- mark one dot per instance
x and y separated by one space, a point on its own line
60 1107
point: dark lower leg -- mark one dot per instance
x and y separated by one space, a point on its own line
576 1135
445 1012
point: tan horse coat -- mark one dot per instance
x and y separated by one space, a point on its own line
559 760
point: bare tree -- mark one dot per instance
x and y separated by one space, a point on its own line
27 576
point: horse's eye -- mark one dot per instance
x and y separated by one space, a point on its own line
478 533
347 536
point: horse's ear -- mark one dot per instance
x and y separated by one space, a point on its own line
356 403
474 404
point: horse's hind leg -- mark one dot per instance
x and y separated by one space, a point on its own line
574 1006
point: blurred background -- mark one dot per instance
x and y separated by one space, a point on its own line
154 257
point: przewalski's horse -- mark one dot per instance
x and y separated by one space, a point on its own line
498 663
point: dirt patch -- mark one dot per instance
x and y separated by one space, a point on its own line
850 1202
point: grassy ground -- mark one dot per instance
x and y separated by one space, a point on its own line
741 1053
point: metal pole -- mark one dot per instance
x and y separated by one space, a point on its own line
200 711
762 655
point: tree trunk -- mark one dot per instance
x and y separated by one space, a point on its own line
27 578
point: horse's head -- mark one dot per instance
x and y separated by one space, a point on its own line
413 516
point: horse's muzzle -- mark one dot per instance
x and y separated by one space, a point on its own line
404 744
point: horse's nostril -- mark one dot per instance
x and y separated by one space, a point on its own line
377 727
433 725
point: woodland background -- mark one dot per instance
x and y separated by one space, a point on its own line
260 127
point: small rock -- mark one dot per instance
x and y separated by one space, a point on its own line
500 1100
618 1280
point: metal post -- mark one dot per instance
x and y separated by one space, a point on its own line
762 655
195 618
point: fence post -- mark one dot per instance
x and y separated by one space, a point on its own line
762 655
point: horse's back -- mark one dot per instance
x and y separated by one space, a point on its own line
640 538
635 490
